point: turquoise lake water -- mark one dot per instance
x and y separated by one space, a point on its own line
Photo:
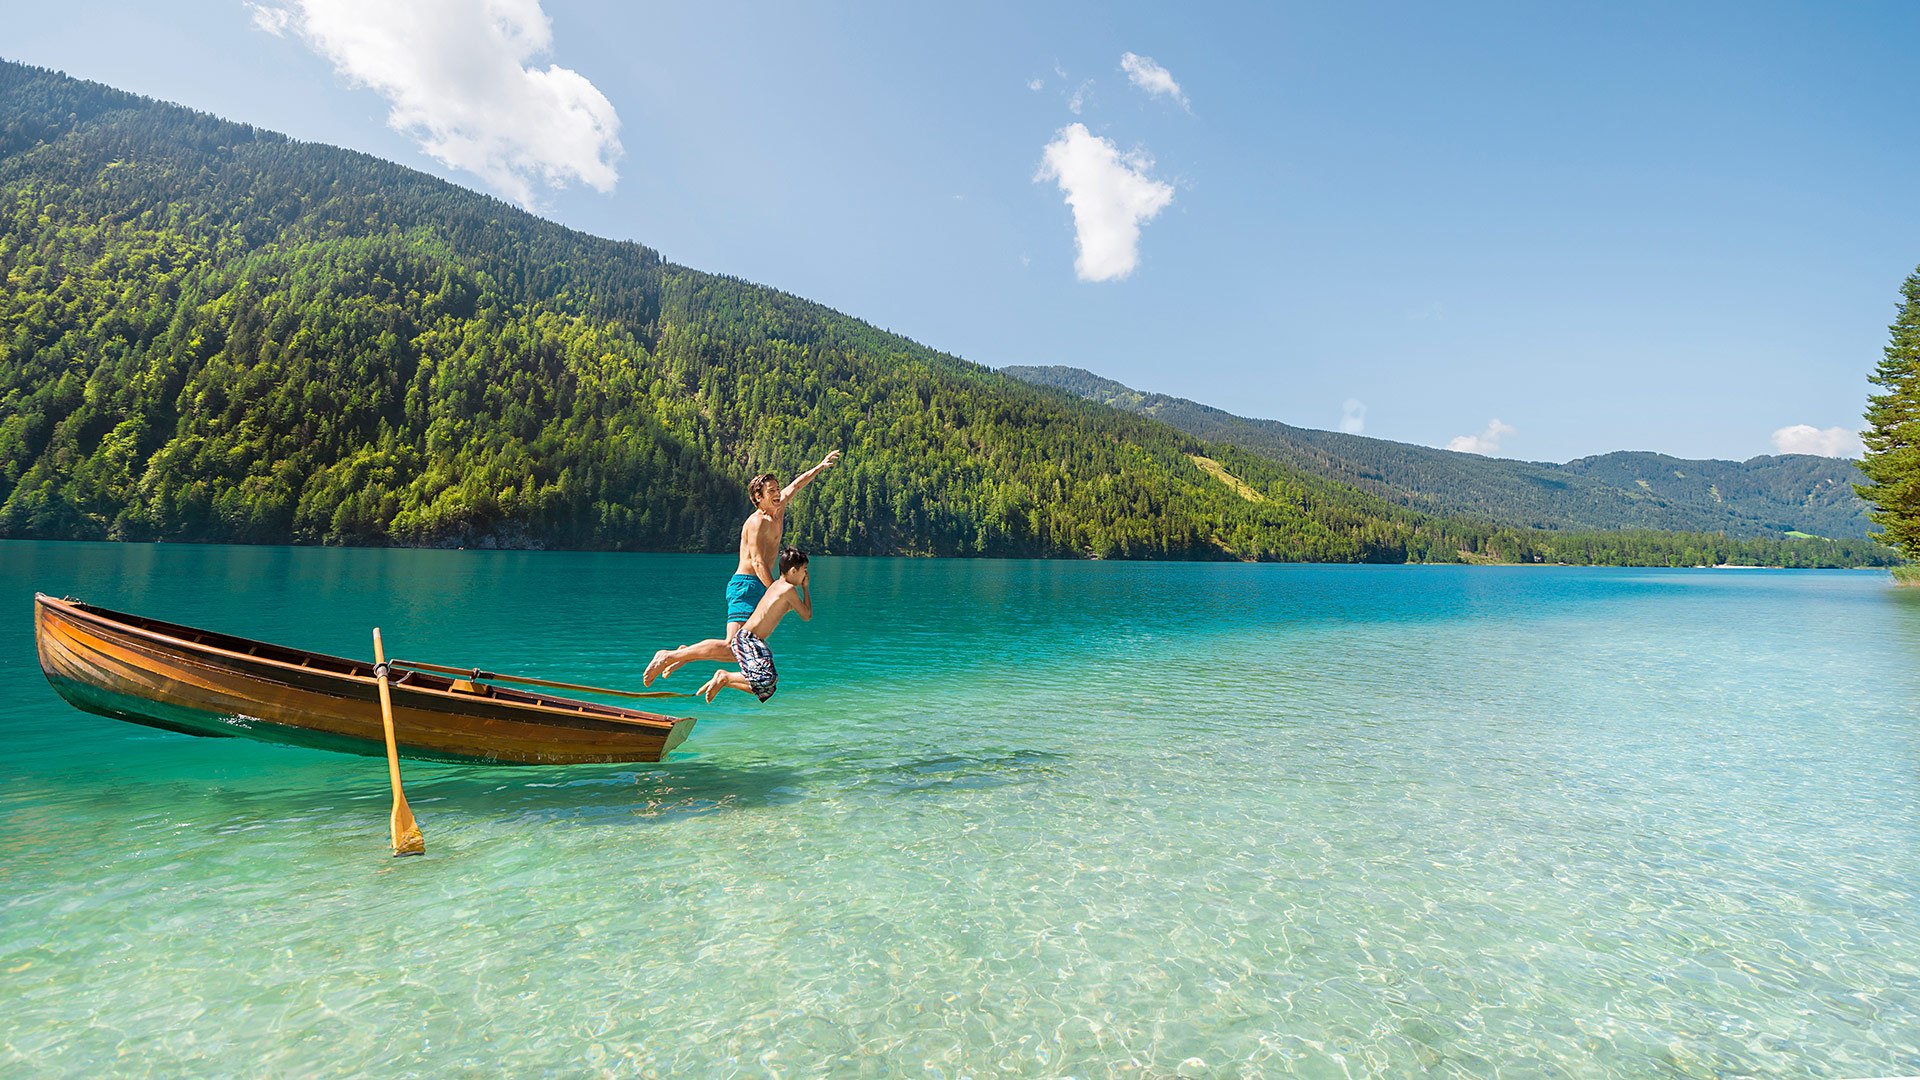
1003 819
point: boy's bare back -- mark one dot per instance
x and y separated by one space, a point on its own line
783 597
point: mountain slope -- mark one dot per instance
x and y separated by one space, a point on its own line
215 333
1765 496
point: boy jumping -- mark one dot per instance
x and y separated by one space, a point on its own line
756 675
759 550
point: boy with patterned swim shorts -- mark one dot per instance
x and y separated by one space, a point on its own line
756 675
759 550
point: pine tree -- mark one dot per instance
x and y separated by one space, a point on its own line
1892 460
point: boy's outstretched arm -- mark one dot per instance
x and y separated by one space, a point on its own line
806 478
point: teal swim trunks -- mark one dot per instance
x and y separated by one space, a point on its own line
743 595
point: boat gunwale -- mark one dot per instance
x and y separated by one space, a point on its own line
81 611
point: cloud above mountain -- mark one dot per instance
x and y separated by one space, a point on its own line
1824 442
1111 195
1485 443
456 74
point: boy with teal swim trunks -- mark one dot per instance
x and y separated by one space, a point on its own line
759 565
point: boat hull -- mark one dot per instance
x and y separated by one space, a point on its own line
199 683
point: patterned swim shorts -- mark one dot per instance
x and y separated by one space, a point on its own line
756 663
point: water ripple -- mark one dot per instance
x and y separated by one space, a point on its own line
1042 820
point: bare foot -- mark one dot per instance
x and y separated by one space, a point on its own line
713 687
653 668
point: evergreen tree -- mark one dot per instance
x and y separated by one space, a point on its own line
1893 437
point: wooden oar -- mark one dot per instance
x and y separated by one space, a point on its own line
406 832
488 676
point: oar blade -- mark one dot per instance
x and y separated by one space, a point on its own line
406 834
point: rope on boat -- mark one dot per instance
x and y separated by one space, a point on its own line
476 675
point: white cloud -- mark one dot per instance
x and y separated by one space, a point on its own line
456 75
1079 99
1807 439
1035 84
1353 416
1152 78
273 20
1487 442
1111 196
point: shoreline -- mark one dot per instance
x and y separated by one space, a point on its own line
1908 574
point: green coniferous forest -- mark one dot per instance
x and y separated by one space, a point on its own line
1892 461
215 333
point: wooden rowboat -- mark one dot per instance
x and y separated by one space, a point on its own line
176 677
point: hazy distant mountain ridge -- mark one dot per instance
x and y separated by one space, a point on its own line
1767 496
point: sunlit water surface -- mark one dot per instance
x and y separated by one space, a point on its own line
1003 819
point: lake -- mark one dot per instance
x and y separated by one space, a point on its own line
1002 819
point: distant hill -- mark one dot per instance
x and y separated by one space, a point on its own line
211 332
1761 497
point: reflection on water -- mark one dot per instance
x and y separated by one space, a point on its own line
1002 819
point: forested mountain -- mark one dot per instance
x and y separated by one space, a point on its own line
1764 496
215 333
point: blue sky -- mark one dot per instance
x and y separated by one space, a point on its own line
1666 227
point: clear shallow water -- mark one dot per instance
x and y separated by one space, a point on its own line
1002 819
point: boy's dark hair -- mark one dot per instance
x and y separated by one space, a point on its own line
791 557
761 483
